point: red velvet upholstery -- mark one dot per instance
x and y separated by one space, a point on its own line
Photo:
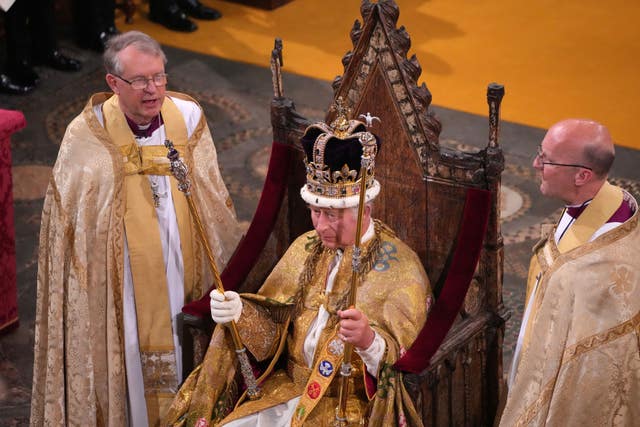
458 277
10 122
252 244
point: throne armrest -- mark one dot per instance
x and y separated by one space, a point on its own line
195 335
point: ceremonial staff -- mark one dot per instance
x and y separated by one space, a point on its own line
181 174
369 148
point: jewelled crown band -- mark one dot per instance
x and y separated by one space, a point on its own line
334 156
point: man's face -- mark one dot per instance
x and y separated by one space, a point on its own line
336 227
557 181
140 105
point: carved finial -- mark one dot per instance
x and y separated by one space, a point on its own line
276 68
340 125
277 50
495 92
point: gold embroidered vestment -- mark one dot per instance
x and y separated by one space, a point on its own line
79 371
393 294
580 361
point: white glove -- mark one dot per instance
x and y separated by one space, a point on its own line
225 308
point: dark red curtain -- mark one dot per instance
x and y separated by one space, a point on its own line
10 122
466 253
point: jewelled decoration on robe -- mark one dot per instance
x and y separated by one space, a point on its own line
385 380
325 368
336 347
385 256
314 389
300 412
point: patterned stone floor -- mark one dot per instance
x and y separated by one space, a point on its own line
236 101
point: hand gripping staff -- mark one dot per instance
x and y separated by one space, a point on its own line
181 174
369 149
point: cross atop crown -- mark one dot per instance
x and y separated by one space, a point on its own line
341 123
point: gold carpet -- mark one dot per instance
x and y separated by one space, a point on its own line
556 59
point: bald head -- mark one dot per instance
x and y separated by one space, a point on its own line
589 140
573 160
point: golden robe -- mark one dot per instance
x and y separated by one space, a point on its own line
393 294
79 372
580 361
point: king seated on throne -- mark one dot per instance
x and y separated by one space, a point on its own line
300 327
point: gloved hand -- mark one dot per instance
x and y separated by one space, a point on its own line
225 308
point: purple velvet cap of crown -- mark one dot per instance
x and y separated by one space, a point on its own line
333 160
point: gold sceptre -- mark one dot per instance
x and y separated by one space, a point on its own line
181 174
368 154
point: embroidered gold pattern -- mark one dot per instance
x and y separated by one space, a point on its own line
621 279
530 413
594 341
316 250
159 371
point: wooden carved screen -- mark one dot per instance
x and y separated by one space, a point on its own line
422 199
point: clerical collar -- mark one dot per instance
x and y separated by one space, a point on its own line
575 211
144 131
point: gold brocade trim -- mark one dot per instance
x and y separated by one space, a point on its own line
591 343
148 159
570 353
606 202
316 250
299 374
306 276
602 207
114 246
532 410
327 364
546 252
145 251
159 370
259 336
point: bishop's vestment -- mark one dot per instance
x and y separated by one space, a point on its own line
119 256
577 362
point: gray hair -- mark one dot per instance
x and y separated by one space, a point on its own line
139 40
354 209
599 158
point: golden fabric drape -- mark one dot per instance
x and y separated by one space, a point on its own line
79 374
393 294
584 368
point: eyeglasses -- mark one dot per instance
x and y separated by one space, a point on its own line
140 83
540 157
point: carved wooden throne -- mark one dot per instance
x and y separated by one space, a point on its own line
425 189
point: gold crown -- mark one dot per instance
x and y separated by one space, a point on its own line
335 155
